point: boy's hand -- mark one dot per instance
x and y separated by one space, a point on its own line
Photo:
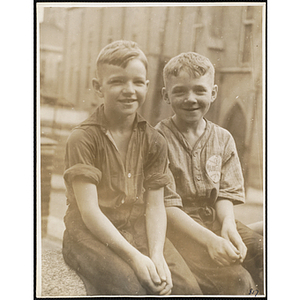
164 273
147 274
230 233
222 251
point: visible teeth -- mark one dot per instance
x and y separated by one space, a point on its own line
127 100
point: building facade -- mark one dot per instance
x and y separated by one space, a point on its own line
231 36
51 35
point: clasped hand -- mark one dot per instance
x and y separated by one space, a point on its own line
229 247
230 233
153 274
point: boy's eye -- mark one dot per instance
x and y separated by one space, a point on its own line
116 81
139 82
178 91
200 91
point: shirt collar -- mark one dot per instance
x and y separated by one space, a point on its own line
201 141
98 118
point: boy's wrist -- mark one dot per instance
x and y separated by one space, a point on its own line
229 220
211 240
229 223
156 253
132 256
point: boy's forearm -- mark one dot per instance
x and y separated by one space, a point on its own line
156 221
98 223
107 233
224 210
179 221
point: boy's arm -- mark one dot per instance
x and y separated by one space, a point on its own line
156 224
225 214
219 249
231 192
87 200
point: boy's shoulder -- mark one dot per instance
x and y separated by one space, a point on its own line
88 129
164 125
95 119
152 133
217 129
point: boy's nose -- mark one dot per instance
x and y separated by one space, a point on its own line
128 88
191 98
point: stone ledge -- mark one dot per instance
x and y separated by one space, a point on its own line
58 279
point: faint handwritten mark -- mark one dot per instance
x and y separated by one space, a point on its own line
253 292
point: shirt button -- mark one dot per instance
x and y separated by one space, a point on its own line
198 178
129 175
122 201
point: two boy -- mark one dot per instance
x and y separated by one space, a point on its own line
116 173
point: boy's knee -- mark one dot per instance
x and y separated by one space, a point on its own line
184 281
254 258
239 283
187 286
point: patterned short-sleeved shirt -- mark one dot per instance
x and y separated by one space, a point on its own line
209 171
91 153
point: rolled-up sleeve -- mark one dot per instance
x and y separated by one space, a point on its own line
80 158
156 175
171 198
232 181
88 172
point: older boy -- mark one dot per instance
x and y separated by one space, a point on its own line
115 176
208 177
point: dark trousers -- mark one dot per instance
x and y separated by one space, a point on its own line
108 274
213 279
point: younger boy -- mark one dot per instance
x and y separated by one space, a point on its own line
115 176
208 177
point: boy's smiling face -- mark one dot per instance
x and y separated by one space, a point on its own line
189 96
123 89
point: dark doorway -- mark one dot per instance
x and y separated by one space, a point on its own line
236 125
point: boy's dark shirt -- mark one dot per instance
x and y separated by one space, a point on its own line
92 154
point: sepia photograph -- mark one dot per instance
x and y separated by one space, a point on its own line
151 149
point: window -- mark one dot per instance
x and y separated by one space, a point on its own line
247 32
88 65
197 29
72 57
216 28
42 71
246 56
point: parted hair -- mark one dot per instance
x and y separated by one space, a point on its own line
193 63
119 53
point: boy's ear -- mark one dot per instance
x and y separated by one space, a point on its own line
214 93
165 95
97 87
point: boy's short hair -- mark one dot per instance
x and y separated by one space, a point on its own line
193 63
119 53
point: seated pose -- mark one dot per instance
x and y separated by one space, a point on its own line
116 170
221 252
